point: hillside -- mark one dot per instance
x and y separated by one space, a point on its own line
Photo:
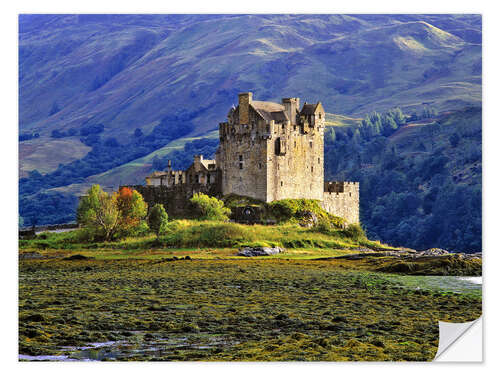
132 71
420 185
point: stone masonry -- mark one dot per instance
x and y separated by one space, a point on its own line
268 151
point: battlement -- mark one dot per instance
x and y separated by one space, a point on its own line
341 186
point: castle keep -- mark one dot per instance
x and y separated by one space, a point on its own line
268 151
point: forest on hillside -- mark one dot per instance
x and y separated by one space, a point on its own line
420 184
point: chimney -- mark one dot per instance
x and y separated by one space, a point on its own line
244 101
291 107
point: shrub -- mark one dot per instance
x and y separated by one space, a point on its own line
355 232
294 210
158 219
209 208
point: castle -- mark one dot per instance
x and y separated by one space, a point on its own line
268 151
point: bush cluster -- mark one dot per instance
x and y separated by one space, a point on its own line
209 208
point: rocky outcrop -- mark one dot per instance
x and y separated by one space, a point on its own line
409 254
259 251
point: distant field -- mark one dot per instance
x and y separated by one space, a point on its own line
45 154
340 120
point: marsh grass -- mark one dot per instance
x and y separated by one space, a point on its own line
225 310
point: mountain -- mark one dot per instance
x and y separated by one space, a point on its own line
131 71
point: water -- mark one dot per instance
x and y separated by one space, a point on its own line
24 357
455 284
474 280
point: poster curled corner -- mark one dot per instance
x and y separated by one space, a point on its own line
460 342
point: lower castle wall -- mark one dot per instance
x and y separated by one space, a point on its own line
175 199
344 204
342 199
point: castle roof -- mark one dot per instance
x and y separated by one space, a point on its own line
270 111
157 174
309 109
208 163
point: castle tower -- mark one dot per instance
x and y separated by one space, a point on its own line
272 151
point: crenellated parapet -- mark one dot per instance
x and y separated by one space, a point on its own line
341 198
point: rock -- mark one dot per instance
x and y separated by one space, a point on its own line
308 219
31 255
433 252
259 251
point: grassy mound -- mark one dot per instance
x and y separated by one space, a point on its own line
285 210
213 234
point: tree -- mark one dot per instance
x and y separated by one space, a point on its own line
105 215
138 133
454 139
157 219
111 142
98 213
209 208
132 208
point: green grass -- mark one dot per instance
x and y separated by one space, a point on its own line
209 234
218 240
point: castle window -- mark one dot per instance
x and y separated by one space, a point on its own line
281 183
268 128
318 161
312 169
241 157
349 194
295 144
260 165
310 144
241 165
197 177
283 127
320 115
208 178
294 127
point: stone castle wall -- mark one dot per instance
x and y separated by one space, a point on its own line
272 160
242 158
342 199
295 166
175 199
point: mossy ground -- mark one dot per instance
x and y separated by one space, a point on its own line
245 310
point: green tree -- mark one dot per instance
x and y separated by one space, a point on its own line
454 139
106 215
98 213
158 219
209 208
